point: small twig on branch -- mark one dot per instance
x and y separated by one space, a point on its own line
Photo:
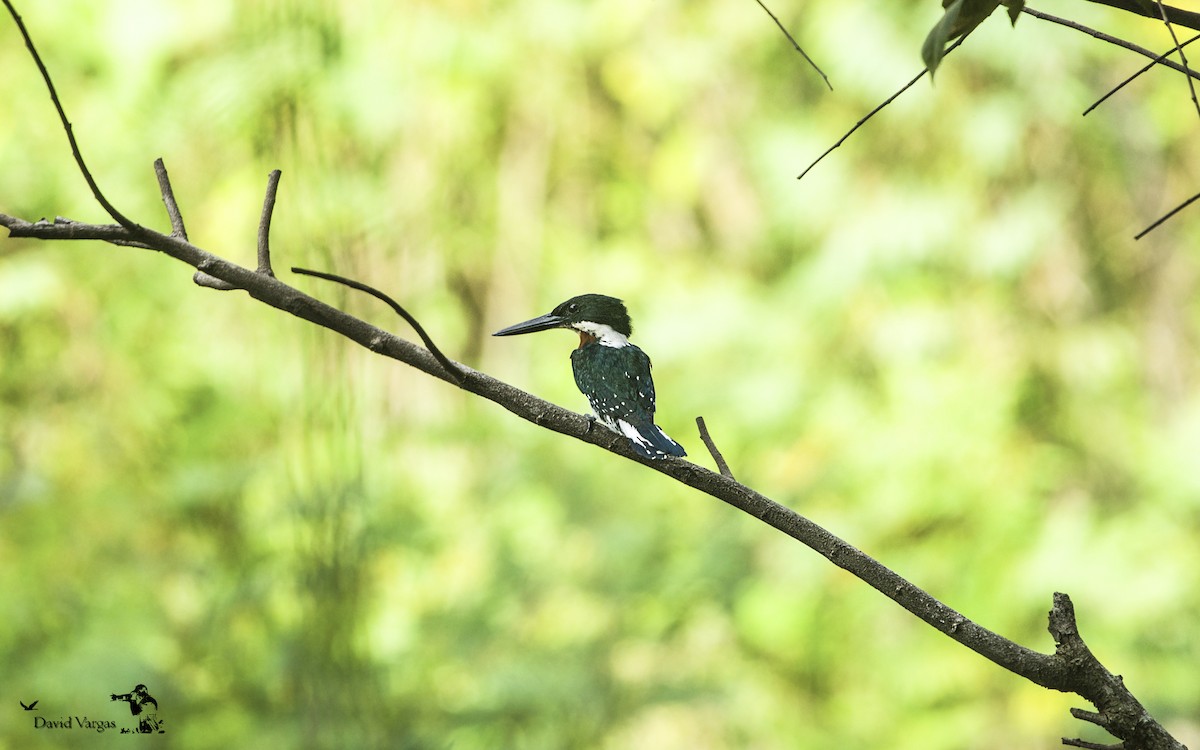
1092 745
117 216
201 278
168 197
795 44
264 224
1140 71
1166 216
264 240
1099 720
712 448
876 111
1159 60
452 367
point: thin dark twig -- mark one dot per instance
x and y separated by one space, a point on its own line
1092 745
1182 56
1111 40
264 224
451 367
712 448
1168 215
875 111
1155 60
1140 71
117 216
168 198
794 44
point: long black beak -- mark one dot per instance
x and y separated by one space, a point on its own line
541 323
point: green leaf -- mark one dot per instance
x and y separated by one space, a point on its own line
1014 9
961 17
935 43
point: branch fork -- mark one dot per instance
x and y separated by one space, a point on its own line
201 277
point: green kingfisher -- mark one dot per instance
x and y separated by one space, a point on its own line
613 373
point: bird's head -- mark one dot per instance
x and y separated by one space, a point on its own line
595 316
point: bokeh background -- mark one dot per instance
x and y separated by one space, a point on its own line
943 344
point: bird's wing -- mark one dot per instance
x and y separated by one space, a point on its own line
644 382
616 381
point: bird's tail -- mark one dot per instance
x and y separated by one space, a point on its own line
650 441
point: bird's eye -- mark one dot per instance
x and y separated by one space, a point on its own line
573 307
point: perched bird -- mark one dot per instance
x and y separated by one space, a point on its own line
613 373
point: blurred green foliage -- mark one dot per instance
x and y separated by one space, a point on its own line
943 345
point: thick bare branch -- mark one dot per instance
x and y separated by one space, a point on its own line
1071 668
1177 16
1120 713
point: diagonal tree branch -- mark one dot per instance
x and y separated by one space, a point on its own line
1160 220
1071 668
1174 15
795 44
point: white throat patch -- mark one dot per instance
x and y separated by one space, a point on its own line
605 334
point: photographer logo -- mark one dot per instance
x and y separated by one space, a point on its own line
143 716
